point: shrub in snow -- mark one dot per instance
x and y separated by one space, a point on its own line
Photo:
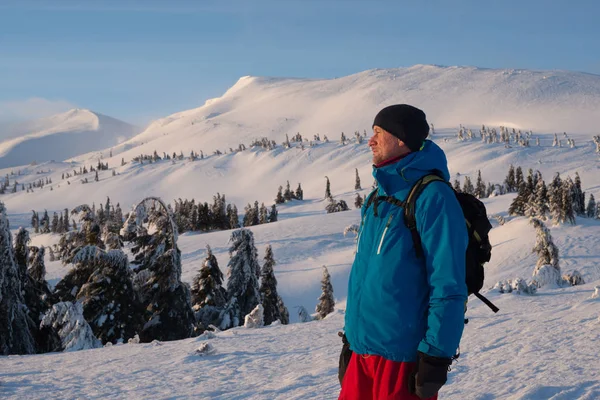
596 294
206 335
351 229
303 315
326 301
67 321
336 206
547 275
255 319
205 349
15 323
516 286
134 340
573 279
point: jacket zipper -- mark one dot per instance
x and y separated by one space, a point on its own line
387 225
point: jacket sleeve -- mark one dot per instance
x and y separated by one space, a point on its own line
443 231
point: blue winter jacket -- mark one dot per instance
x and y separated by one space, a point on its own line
398 303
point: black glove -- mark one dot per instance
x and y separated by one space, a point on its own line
429 376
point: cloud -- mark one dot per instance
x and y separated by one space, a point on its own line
32 108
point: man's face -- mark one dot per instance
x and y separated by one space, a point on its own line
385 146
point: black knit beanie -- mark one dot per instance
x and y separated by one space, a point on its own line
405 122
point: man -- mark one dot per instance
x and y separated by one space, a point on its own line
405 314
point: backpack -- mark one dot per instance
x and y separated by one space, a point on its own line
479 249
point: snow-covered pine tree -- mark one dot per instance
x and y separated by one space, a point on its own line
288 194
15 324
242 279
279 198
480 191
357 181
468 186
273 214
45 223
547 269
163 294
567 200
327 189
255 214
248 215
110 305
358 201
271 301
66 328
208 295
37 267
555 196
299 192
54 224
591 207
326 303
234 220
518 178
578 197
510 181
263 214
541 200
89 234
456 185
35 222
517 207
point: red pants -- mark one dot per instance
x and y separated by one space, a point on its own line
375 378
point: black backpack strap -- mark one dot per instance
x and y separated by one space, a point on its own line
410 219
486 301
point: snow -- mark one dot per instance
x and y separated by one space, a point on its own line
538 346
62 136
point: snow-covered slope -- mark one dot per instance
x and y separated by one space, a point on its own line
62 136
257 107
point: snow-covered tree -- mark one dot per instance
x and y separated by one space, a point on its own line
279 199
358 201
110 305
263 214
567 200
288 194
510 181
480 189
517 207
271 301
15 323
556 200
327 189
273 214
242 279
299 193
163 294
591 207
468 186
208 295
574 278
456 186
541 200
357 181
68 329
35 222
578 197
336 206
518 178
90 233
303 315
326 303
547 269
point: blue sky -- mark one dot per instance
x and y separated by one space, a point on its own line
139 60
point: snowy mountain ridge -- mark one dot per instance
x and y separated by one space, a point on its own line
62 136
